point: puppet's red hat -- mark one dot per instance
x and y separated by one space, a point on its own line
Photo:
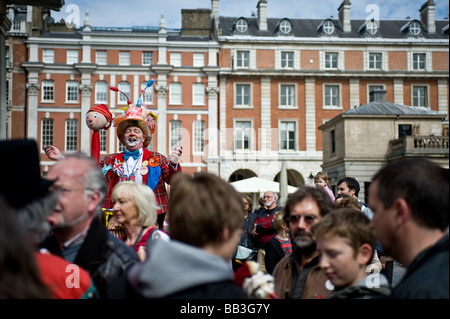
102 109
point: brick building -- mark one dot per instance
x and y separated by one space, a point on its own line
242 94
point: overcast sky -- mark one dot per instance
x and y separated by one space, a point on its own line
128 13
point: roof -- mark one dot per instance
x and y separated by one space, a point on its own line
309 28
387 108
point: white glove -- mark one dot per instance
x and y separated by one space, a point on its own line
175 155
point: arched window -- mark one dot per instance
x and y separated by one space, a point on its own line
328 27
285 26
241 25
125 88
101 92
414 28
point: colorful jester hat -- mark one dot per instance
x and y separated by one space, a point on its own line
136 115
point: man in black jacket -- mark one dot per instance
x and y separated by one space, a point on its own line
410 202
78 234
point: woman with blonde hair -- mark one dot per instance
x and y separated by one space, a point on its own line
134 206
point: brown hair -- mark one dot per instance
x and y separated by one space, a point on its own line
249 202
201 207
349 202
350 225
278 220
321 175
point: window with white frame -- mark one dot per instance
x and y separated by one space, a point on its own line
287 59
175 133
71 135
124 58
288 135
287 95
285 26
175 93
103 140
101 92
373 87
420 96
101 57
372 27
175 59
147 58
199 59
72 56
328 27
48 91
48 56
243 95
72 91
242 135
414 28
125 88
241 25
331 60
332 95
46 132
243 59
198 94
148 96
419 61
199 136
375 60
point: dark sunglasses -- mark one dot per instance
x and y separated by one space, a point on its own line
309 219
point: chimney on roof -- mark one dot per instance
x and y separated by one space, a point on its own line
215 9
377 95
262 15
427 16
344 16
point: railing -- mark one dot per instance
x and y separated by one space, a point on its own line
18 27
435 142
419 145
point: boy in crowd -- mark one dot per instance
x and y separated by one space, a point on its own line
346 245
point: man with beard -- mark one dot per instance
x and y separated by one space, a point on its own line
298 276
136 163
264 228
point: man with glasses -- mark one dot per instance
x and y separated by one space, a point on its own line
298 275
264 228
78 234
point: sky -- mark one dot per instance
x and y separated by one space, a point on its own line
129 13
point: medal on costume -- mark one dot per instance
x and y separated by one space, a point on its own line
144 168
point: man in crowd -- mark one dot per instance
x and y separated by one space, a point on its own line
410 202
350 187
264 228
78 234
299 275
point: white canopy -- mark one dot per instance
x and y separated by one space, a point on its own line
259 185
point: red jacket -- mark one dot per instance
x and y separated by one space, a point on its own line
112 166
264 224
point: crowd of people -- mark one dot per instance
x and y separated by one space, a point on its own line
314 247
